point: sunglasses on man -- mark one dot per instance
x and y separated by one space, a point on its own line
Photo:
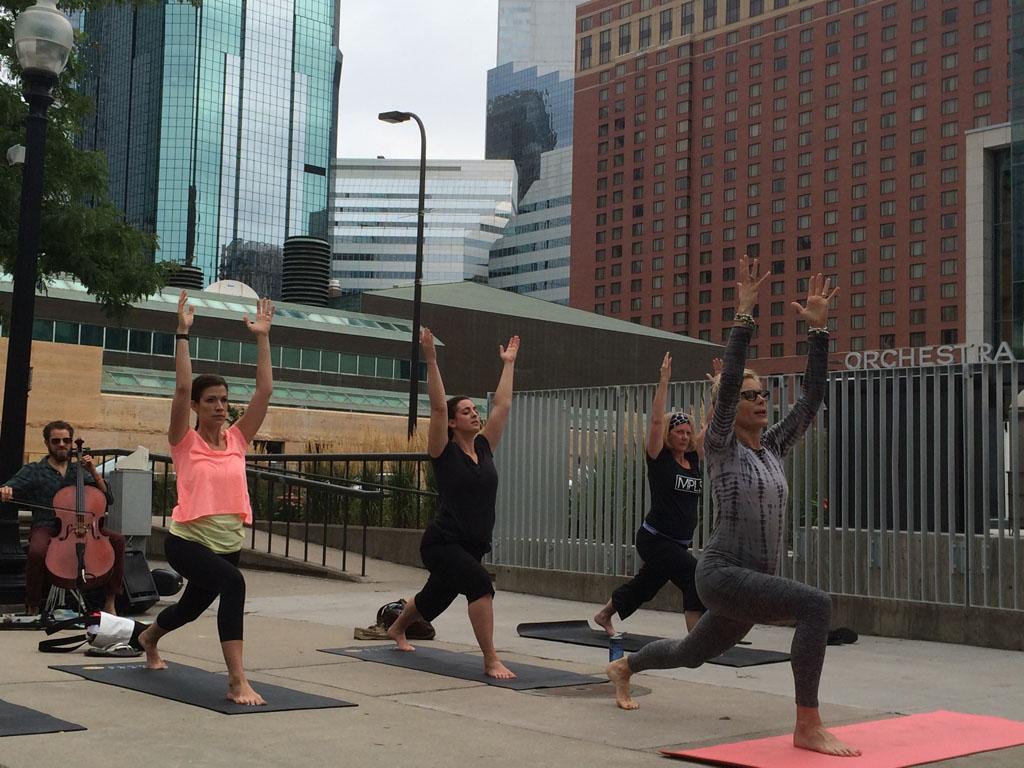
751 395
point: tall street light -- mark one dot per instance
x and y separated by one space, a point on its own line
414 358
43 39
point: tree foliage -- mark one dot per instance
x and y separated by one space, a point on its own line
82 233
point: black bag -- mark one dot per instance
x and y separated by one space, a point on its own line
107 634
418 630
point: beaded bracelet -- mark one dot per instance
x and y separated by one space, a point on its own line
746 319
823 330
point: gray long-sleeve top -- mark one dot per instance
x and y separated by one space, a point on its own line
749 486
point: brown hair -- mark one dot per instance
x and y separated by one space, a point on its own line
57 425
203 382
453 407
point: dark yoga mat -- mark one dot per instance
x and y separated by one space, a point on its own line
16 720
581 633
465 666
198 687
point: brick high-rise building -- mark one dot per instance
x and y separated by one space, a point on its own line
819 136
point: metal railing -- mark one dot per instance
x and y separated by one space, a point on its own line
313 499
907 486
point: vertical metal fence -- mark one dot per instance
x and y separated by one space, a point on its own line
908 485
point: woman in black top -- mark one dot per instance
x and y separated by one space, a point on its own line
467 484
674 476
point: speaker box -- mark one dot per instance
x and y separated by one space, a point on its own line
140 592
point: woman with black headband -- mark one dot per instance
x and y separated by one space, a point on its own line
674 454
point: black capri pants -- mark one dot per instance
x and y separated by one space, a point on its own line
665 560
209 575
454 570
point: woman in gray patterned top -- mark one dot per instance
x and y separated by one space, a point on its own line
736 576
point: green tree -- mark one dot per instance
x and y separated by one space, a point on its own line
82 233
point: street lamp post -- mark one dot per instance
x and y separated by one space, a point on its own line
43 39
414 357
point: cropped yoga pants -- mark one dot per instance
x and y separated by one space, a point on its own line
454 571
210 575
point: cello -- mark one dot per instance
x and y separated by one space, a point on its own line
80 555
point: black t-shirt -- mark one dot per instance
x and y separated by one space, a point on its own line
675 495
467 492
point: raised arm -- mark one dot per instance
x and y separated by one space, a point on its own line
720 430
656 430
182 373
700 425
250 422
497 416
437 435
784 434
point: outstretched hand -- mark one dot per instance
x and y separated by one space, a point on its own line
819 293
716 369
665 373
508 353
427 345
186 313
264 314
749 285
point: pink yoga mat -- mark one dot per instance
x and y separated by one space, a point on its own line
894 743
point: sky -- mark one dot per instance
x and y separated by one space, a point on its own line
425 56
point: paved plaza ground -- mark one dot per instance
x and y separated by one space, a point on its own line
408 718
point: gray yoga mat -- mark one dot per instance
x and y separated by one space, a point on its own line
197 687
464 666
16 720
581 633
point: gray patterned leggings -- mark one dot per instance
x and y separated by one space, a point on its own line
737 598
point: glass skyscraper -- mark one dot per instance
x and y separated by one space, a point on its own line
232 105
532 257
374 216
530 91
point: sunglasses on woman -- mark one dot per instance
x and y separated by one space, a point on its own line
751 395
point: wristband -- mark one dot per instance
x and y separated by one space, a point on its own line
746 319
823 331
181 336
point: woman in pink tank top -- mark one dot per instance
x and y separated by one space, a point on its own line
207 528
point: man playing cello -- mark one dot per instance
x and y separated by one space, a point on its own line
35 485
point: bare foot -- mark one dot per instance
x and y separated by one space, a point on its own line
153 660
400 639
817 739
242 693
619 673
603 618
498 670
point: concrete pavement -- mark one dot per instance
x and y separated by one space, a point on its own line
410 718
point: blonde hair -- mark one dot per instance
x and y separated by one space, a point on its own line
716 382
668 428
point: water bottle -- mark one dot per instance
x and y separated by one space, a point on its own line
614 647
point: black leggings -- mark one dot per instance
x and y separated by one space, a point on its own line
209 575
665 560
454 571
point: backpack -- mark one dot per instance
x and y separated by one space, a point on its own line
418 630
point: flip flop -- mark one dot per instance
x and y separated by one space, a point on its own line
117 650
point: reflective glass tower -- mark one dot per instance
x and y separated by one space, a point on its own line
468 205
530 91
218 124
